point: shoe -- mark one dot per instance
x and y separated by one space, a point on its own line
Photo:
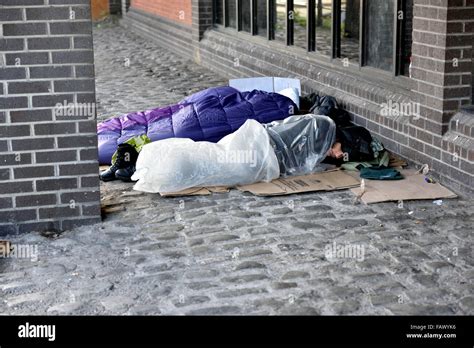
126 158
109 174
125 174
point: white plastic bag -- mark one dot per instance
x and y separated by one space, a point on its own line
175 164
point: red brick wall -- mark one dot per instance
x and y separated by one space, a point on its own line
176 10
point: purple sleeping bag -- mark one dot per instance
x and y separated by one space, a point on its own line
208 115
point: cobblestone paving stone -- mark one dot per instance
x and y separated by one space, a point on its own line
235 253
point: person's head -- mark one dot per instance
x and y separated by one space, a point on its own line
336 151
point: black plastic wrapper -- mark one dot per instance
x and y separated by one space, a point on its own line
301 142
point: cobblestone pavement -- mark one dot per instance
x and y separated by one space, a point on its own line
235 253
133 74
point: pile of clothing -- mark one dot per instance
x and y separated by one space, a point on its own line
222 136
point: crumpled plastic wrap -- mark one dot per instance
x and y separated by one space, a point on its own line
175 164
302 142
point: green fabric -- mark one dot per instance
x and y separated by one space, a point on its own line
355 166
380 173
382 160
137 142
377 147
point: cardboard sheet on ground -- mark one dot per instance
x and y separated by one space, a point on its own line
324 181
413 187
197 191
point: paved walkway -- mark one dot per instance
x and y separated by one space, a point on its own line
236 253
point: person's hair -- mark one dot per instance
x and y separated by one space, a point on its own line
331 160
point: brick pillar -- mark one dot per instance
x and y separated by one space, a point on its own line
48 142
125 5
202 20
442 59
469 27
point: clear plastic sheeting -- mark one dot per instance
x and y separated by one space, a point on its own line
302 142
172 165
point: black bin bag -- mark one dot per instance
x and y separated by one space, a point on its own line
356 143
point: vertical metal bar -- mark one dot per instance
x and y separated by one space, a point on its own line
362 42
271 19
333 30
336 29
403 43
214 12
253 17
224 13
290 22
311 25
238 17
397 37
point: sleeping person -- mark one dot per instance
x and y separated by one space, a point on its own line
186 154
254 153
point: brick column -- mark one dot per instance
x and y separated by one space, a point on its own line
442 59
48 142
202 20
125 5
469 27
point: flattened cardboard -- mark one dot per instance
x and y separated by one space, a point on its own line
218 189
5 248
396 161
267 84
413 187
197 191
324 181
